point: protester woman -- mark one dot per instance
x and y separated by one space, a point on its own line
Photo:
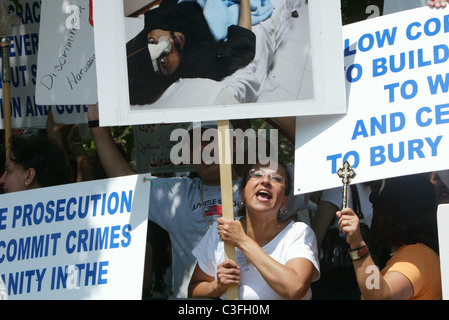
404 222
276 259
34 162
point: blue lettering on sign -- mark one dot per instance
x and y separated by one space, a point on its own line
416 148
30 12
367 41
21 282
62 209
431 27
438 82
396 123
3 212
424 116
94 239
353 155
88 274
24 45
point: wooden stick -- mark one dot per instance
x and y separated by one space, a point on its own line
224 149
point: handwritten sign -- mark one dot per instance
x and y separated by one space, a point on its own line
66 72
398 110
153 148
77 241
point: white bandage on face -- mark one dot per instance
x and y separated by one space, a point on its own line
157 49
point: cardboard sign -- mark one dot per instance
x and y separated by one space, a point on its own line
23 53
153 148
398 108
443 240
66 72
77 241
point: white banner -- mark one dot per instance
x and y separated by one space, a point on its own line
77 241
397 85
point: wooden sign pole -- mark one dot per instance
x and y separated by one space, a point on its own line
6 79
224 149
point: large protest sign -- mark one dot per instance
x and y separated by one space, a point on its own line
76 241
66 71
398 111
23 51
193 99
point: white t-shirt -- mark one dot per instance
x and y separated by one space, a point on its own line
176 205
296 240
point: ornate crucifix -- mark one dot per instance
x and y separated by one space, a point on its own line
346 174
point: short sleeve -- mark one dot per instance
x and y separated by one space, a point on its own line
411 263
301 243
204 252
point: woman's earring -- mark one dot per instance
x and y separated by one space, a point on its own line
242 204
283 211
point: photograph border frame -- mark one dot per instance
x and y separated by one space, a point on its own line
113 96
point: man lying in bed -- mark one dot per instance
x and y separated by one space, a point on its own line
176 42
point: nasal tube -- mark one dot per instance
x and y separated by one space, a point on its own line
157 49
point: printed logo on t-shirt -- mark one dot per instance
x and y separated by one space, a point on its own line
212 207
214 210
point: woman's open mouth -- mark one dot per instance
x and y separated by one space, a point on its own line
264 195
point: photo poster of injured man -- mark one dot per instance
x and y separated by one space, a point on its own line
186 61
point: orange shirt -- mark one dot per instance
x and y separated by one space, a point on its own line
421 265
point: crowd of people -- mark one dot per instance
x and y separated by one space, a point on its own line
389 226
277 257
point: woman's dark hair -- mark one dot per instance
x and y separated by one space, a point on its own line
246 177
405 212
43 156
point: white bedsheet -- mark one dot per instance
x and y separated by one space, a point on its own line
246 84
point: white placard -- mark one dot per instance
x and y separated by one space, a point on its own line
398 109
66 69
77 241
443 240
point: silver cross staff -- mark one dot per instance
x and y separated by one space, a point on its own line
346 174
7 21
